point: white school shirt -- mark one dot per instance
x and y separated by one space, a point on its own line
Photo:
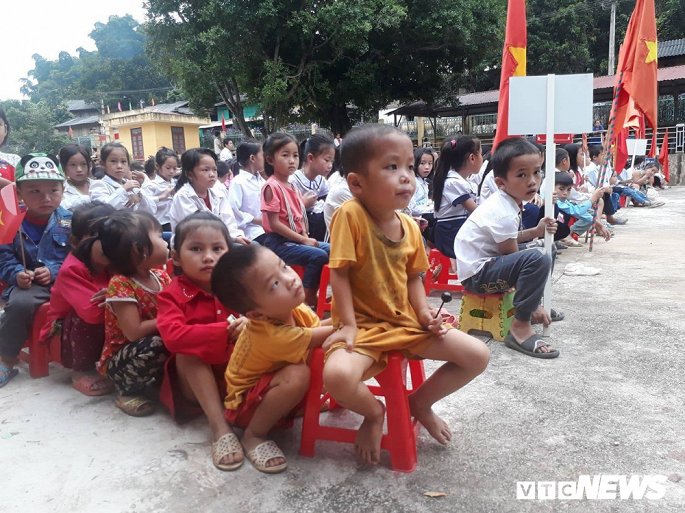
72 197
456 191
154 188
244 196
225 155
489 187
318 186
113 193
496 220
420 202
186 202
338 194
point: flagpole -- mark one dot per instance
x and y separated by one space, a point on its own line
550 149
607 146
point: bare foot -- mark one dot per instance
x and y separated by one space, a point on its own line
230 458
436 427
251 441
368 441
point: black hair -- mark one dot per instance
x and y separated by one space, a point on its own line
68 151
189 160
639 159
109 147
560 155
418 154
228 277
226 141
317 144
595 150
360 145
85 227
98 172
216 132
137 165
488 167
563 178
223 168
336 162
125 238
150 167
508 150
8 129
245 150
163 154
201 219
273 143
572 150
453 155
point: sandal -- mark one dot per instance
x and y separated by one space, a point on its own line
93 385
531 346
135 405
6 374
227 444
260 456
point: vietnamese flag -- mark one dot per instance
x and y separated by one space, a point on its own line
636 75
513 63
11 215
663 158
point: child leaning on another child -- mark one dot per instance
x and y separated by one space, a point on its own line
267 376
30 266
380 304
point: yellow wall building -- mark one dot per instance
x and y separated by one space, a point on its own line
144 131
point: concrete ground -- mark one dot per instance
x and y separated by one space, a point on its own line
612 403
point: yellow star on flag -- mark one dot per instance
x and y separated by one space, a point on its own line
1 223
651 51
519 54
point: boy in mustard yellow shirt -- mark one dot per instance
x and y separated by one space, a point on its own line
267 375
379 303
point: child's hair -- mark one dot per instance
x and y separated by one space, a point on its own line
563 178
98 172
418 154
488 168
189 160
226 141
201 219
150 167
69 151
508 150
572 150
137 165
109 147
228 277
317 144
163 154
336 162
594 150
453 155
223 168
361 144
85 225
639 159
244 151
125 238
273 143
3 117
560 155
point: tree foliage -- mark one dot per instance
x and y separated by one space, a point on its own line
32 127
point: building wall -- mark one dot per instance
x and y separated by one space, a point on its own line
158 134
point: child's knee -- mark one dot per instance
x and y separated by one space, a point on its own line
540 259
336 375
186 362
294 377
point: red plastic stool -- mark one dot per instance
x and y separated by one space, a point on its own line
400 439
323 302
39 353
442 282
623 201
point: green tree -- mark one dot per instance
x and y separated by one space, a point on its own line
32 127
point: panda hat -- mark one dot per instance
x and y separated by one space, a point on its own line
38 166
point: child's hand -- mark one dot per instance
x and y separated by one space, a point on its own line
546 224
597 195
434 324
236 327
243 240
345 334
309 199
42 276
25 279
166 194
99 297
139 176
131 184
308 241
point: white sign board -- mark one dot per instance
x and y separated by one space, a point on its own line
572 104
636 146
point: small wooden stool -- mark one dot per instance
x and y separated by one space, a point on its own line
491 313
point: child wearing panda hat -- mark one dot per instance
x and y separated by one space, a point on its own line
45 234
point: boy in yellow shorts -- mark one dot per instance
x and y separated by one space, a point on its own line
267 375
379 304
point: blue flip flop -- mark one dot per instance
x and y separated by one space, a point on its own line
530 346
6 374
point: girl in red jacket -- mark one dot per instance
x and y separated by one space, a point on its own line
196 329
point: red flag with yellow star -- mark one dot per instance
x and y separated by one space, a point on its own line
11 215
636 82
513 63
